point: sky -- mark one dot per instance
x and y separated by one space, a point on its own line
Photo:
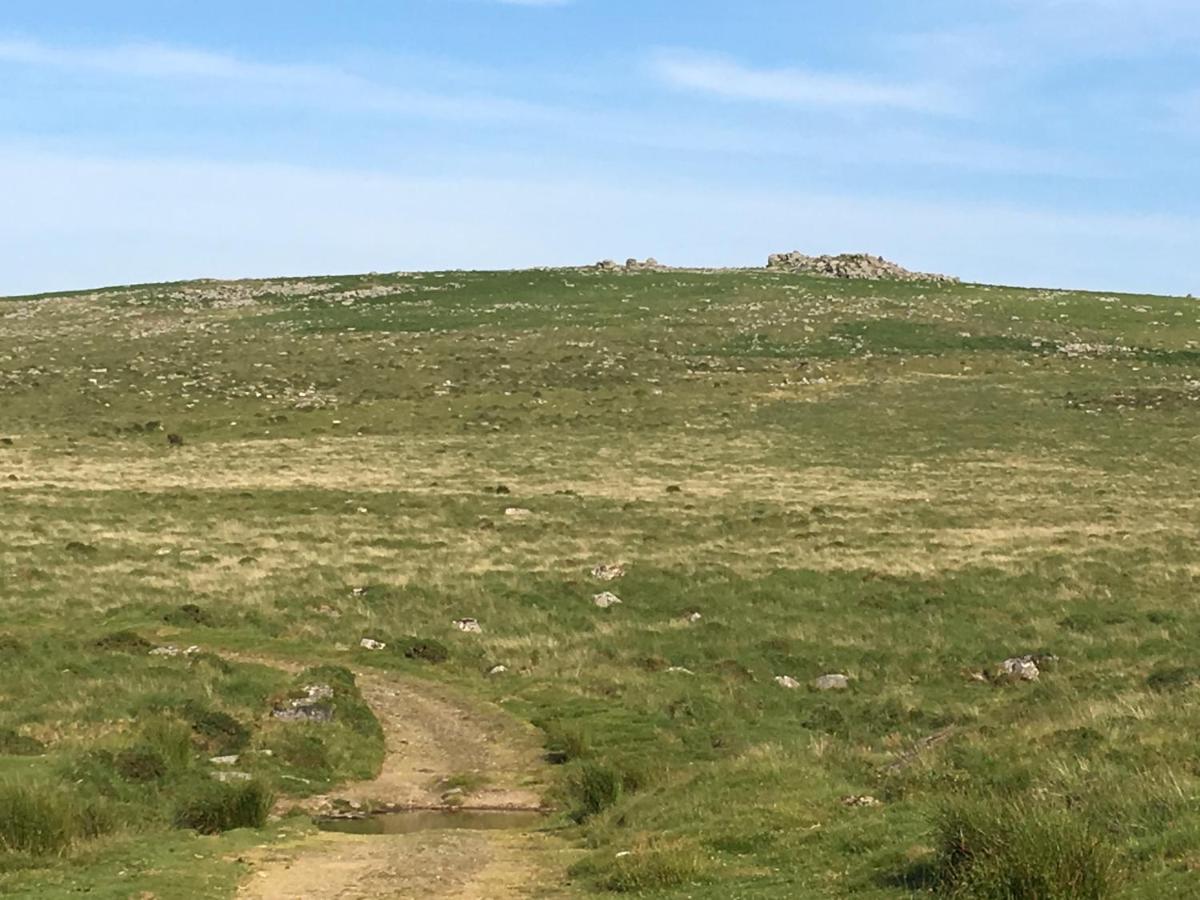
1050 143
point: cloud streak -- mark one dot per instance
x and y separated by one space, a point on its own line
728 79
267 83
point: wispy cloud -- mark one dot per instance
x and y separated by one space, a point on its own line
266 82
727 78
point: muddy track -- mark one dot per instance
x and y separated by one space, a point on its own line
431 735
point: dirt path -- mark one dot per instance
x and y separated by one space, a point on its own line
431 736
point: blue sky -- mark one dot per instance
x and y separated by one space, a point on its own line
1047 142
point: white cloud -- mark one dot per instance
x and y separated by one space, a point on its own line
271 83
726 78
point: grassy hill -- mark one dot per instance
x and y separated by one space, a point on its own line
904 483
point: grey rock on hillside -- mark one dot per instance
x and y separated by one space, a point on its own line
851 265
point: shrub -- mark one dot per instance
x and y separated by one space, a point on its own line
13 743
994 849
564 743
426 649
123 642
1171 678
211 807
593 789
221 732
141 763
187 615
45 820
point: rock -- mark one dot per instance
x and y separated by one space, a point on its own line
679 670
175 440
606 599
372 644
224 760
860 800
469 626
608 572
497 670
693 617
171 650
1021 668
787 681
607 265
516 512
314 706
832 682
358 592
232 776
851 265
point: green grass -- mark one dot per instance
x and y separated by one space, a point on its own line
903 483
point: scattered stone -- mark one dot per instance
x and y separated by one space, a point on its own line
227 776
1020 668
606 599
832 682
170 650
851 265
860 801
225 760
608 572
787 681
468 626
517 512
372 644
314 706
679 670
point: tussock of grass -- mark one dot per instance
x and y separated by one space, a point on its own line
46 820
212 807
991 848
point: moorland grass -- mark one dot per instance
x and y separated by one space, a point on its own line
902 483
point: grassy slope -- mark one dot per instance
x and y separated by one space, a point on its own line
899 482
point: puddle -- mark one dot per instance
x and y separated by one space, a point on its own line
433 820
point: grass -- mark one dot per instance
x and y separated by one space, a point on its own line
902 483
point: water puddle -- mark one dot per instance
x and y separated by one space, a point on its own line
433 820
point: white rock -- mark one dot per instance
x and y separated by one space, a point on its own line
497 670
517 512
224 760
694 617
470 626
680 670
833 682
372 644
787 681
1021 667
608 572
606 599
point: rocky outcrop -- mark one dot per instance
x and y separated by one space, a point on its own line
851 265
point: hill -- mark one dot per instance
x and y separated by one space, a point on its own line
974 502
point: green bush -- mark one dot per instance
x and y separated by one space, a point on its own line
220 732
995 849
123 642
43 820
564 743
593 788
211 807
13 743
141 763
425 649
